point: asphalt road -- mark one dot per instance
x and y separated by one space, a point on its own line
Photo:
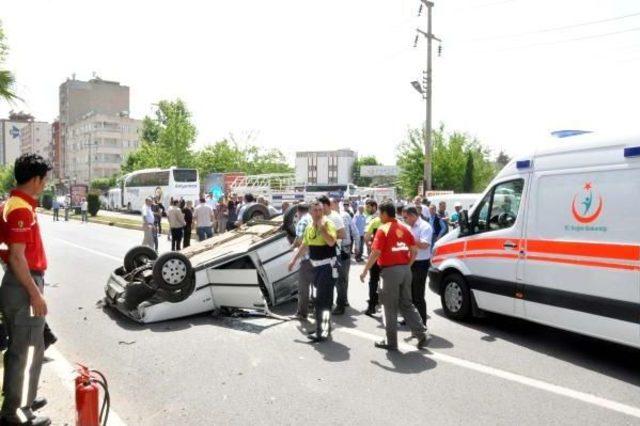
202 370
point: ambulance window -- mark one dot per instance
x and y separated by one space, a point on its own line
479 220
505 204
499 208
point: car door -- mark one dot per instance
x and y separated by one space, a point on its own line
274 255
236 284
493 250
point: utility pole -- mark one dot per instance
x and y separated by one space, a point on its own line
427 92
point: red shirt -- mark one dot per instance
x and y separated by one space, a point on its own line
19 224
393 240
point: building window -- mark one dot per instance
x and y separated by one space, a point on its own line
333 169
312 169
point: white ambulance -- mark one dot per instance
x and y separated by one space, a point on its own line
554 239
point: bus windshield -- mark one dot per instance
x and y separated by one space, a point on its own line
185 175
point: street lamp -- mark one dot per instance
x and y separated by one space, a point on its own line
416 85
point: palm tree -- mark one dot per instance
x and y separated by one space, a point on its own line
6 86
7 79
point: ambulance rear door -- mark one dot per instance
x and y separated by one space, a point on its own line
582 268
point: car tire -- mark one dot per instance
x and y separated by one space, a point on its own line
177 295
256 211
289 221
138 256
455 297
136 293
172 271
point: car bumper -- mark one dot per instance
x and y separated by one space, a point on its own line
435 279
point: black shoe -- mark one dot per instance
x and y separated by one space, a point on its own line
316 339
382 344
36 421
49 337
422 341
339 310
38 403
370 311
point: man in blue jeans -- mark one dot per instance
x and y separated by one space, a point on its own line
203 218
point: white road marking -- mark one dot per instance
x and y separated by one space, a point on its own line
517 378
66 373
99 253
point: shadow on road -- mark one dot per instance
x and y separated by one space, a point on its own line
607 358
407 363
249 323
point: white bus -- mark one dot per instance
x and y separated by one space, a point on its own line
163 184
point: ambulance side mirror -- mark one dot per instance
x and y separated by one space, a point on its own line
465 229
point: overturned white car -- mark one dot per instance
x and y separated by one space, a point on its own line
242 269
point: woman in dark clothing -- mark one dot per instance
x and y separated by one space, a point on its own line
188 220
233 217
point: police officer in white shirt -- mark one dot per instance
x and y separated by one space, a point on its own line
423 233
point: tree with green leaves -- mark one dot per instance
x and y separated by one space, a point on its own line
229 156
167 139
7 179
410 161
359 180
450 153
467 183
7 79
502 160
103 184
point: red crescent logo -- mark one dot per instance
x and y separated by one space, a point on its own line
586 219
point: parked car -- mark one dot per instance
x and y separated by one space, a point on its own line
241 269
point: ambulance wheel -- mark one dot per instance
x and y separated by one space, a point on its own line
172 271
138 256
289 221
455 297
178 295
255 212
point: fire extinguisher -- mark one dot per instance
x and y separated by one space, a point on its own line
88 384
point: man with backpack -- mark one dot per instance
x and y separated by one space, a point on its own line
22 303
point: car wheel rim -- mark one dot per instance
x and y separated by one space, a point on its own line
453 297
174 271
258 216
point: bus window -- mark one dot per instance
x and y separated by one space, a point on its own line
185 175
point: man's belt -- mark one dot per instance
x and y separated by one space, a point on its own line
328 261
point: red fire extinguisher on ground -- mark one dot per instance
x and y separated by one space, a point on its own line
88 384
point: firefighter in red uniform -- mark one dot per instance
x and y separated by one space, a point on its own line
21 294
394 250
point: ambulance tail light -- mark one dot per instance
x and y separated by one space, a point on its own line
632 151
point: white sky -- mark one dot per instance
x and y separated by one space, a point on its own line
305 75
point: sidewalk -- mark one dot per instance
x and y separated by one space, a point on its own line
121 220
58 390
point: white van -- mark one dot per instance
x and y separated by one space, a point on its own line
554 239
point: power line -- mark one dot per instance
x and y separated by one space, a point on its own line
560 28
548 43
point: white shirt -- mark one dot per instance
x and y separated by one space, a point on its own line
202 215
337 221
422 232
147 215
349 228
84 206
